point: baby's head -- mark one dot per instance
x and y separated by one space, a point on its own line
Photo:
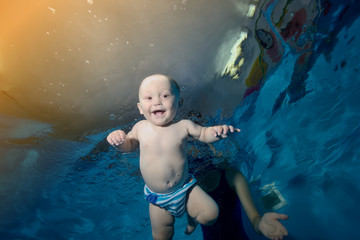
159 99
157 79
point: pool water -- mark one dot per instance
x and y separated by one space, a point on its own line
300 138
309 147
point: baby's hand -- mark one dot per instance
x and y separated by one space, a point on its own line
222 130
116 138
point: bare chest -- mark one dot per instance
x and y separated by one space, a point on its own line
163 141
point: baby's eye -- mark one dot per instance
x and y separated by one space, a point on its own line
148 98
166 95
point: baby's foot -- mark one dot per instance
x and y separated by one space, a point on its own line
192 224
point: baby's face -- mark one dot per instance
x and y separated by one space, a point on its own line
158 100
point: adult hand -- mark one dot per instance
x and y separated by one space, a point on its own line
271 227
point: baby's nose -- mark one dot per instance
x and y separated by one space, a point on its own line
157 101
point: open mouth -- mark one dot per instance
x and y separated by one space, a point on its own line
158 112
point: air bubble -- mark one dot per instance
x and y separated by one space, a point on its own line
52 10
112 116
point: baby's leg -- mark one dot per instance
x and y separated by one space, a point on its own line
162 223
201 207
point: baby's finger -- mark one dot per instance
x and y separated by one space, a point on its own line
224 132
214 131
224 129
119 140
110 141
231 128
236 130
218 130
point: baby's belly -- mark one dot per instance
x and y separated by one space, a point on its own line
162 178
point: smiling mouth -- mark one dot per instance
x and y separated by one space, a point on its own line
158 112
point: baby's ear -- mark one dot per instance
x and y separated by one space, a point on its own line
140 108
181 102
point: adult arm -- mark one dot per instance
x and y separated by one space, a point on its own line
268 224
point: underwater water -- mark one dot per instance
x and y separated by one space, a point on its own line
310 147
300 135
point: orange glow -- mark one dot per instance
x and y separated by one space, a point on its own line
16 15
76 63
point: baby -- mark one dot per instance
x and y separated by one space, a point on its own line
169 188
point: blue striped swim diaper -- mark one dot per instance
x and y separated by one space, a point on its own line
173 202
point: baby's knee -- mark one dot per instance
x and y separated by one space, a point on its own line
213 214
165 234
210 215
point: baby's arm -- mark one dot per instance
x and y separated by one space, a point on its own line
209 134
125 142
268 224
